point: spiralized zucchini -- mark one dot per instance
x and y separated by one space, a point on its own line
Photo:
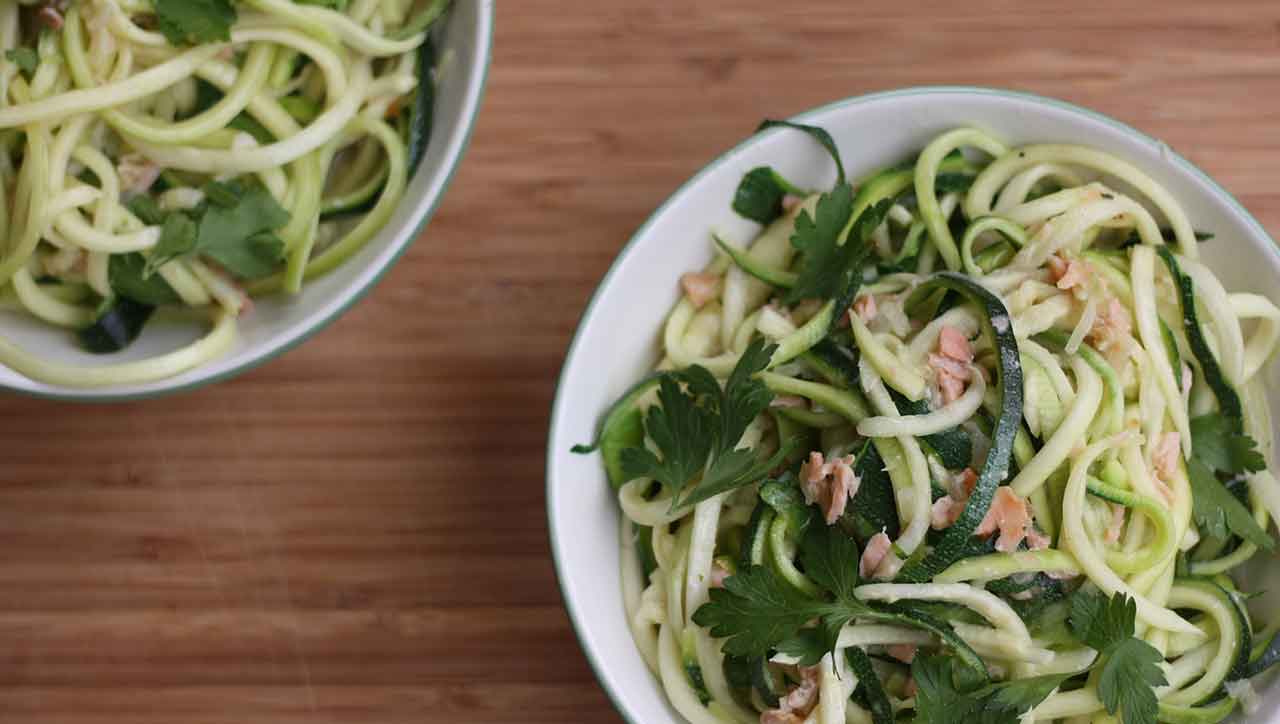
1116 392
145 169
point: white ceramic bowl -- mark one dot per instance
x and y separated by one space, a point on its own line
277 324
617 340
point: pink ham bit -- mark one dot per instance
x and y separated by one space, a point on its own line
700 287
1165 457
718 574
947 509
865 308
137 173
911 689
791 401
963 484
49 17
797 704
1068 273
829 484
950 364
1112 534
954 344
1036 540
906 653
1114 326
874 554
1010 515
790 202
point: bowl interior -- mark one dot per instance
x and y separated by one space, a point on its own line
617 340
278 323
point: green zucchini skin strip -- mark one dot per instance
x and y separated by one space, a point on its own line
621 427
756 542
1111 416
1160 550
803 339
422 118
1208 714
997 325
953 447
749 264
1010 230
877 699
843 402
1227 396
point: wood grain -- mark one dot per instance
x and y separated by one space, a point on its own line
355 532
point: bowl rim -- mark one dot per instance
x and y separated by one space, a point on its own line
555 539
460 143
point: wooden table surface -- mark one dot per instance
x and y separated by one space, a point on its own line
355 532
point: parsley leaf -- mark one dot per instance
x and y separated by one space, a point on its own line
239 237
760 193
1215 441
755 611
127 276
818 134
1128 679
26 59
828 268
1098 621
192 22
1218 511
177 237
1130 666
697 426
1218 446
235 228
947 696
763 611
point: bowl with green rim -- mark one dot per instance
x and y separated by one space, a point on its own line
618 338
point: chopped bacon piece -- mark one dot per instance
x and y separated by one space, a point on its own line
874 554
830 484
1010 515
911 689
699 287
865 308
906 653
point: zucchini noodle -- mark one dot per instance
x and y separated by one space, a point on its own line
142 161
1018 427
